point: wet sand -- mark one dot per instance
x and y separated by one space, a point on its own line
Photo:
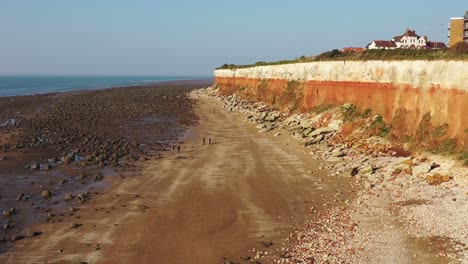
208 204
79 141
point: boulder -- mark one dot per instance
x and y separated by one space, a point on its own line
273 116
335 124
321 131
315 140
421 169
305 124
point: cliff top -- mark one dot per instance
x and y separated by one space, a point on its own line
457 52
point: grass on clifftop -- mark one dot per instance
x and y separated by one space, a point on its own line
457 52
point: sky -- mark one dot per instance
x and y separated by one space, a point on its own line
191 38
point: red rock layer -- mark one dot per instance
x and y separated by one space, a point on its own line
403 106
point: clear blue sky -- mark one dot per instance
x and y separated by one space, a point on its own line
177 37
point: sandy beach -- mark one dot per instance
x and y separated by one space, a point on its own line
254 195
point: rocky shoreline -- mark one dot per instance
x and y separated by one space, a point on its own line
59 150
411 207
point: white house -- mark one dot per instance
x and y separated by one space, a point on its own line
410 40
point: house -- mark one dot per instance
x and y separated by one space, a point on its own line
382 44
436 45
410 40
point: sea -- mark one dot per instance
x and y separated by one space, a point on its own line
29 85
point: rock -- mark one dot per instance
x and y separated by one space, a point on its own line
20 197
6 213
307 131
33 233
305 124
321 131
354 171
6 226
75 225
47 167
338 152
97 178
267 244
34 166
46 194
286 255
437 179
366 170
421 169
81 198
335 124
68 196
313 141
89 158
273 116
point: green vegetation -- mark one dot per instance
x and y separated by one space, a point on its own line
351 113
382 128
464 158
457 52
290 96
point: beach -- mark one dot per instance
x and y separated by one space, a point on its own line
256 194
72 143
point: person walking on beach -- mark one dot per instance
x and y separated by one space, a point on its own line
203 141
178 149
173 149
209 141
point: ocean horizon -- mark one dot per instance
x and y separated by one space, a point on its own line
30 85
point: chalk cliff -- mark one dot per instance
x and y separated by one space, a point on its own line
415 97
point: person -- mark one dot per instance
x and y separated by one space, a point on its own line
209 141
178 149
203 141
173 148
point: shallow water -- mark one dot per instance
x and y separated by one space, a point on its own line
28 85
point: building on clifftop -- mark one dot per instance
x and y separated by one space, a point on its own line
408 40
455 30
465 27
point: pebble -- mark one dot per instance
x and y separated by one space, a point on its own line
46 194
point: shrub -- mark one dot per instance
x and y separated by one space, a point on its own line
459 48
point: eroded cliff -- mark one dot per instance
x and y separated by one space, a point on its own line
423 101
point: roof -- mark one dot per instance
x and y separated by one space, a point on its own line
345 49
385 43
437 45
408 33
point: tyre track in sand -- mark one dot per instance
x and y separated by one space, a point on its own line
204 205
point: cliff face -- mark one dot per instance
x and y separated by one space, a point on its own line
418 98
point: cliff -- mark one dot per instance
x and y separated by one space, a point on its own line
426 101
